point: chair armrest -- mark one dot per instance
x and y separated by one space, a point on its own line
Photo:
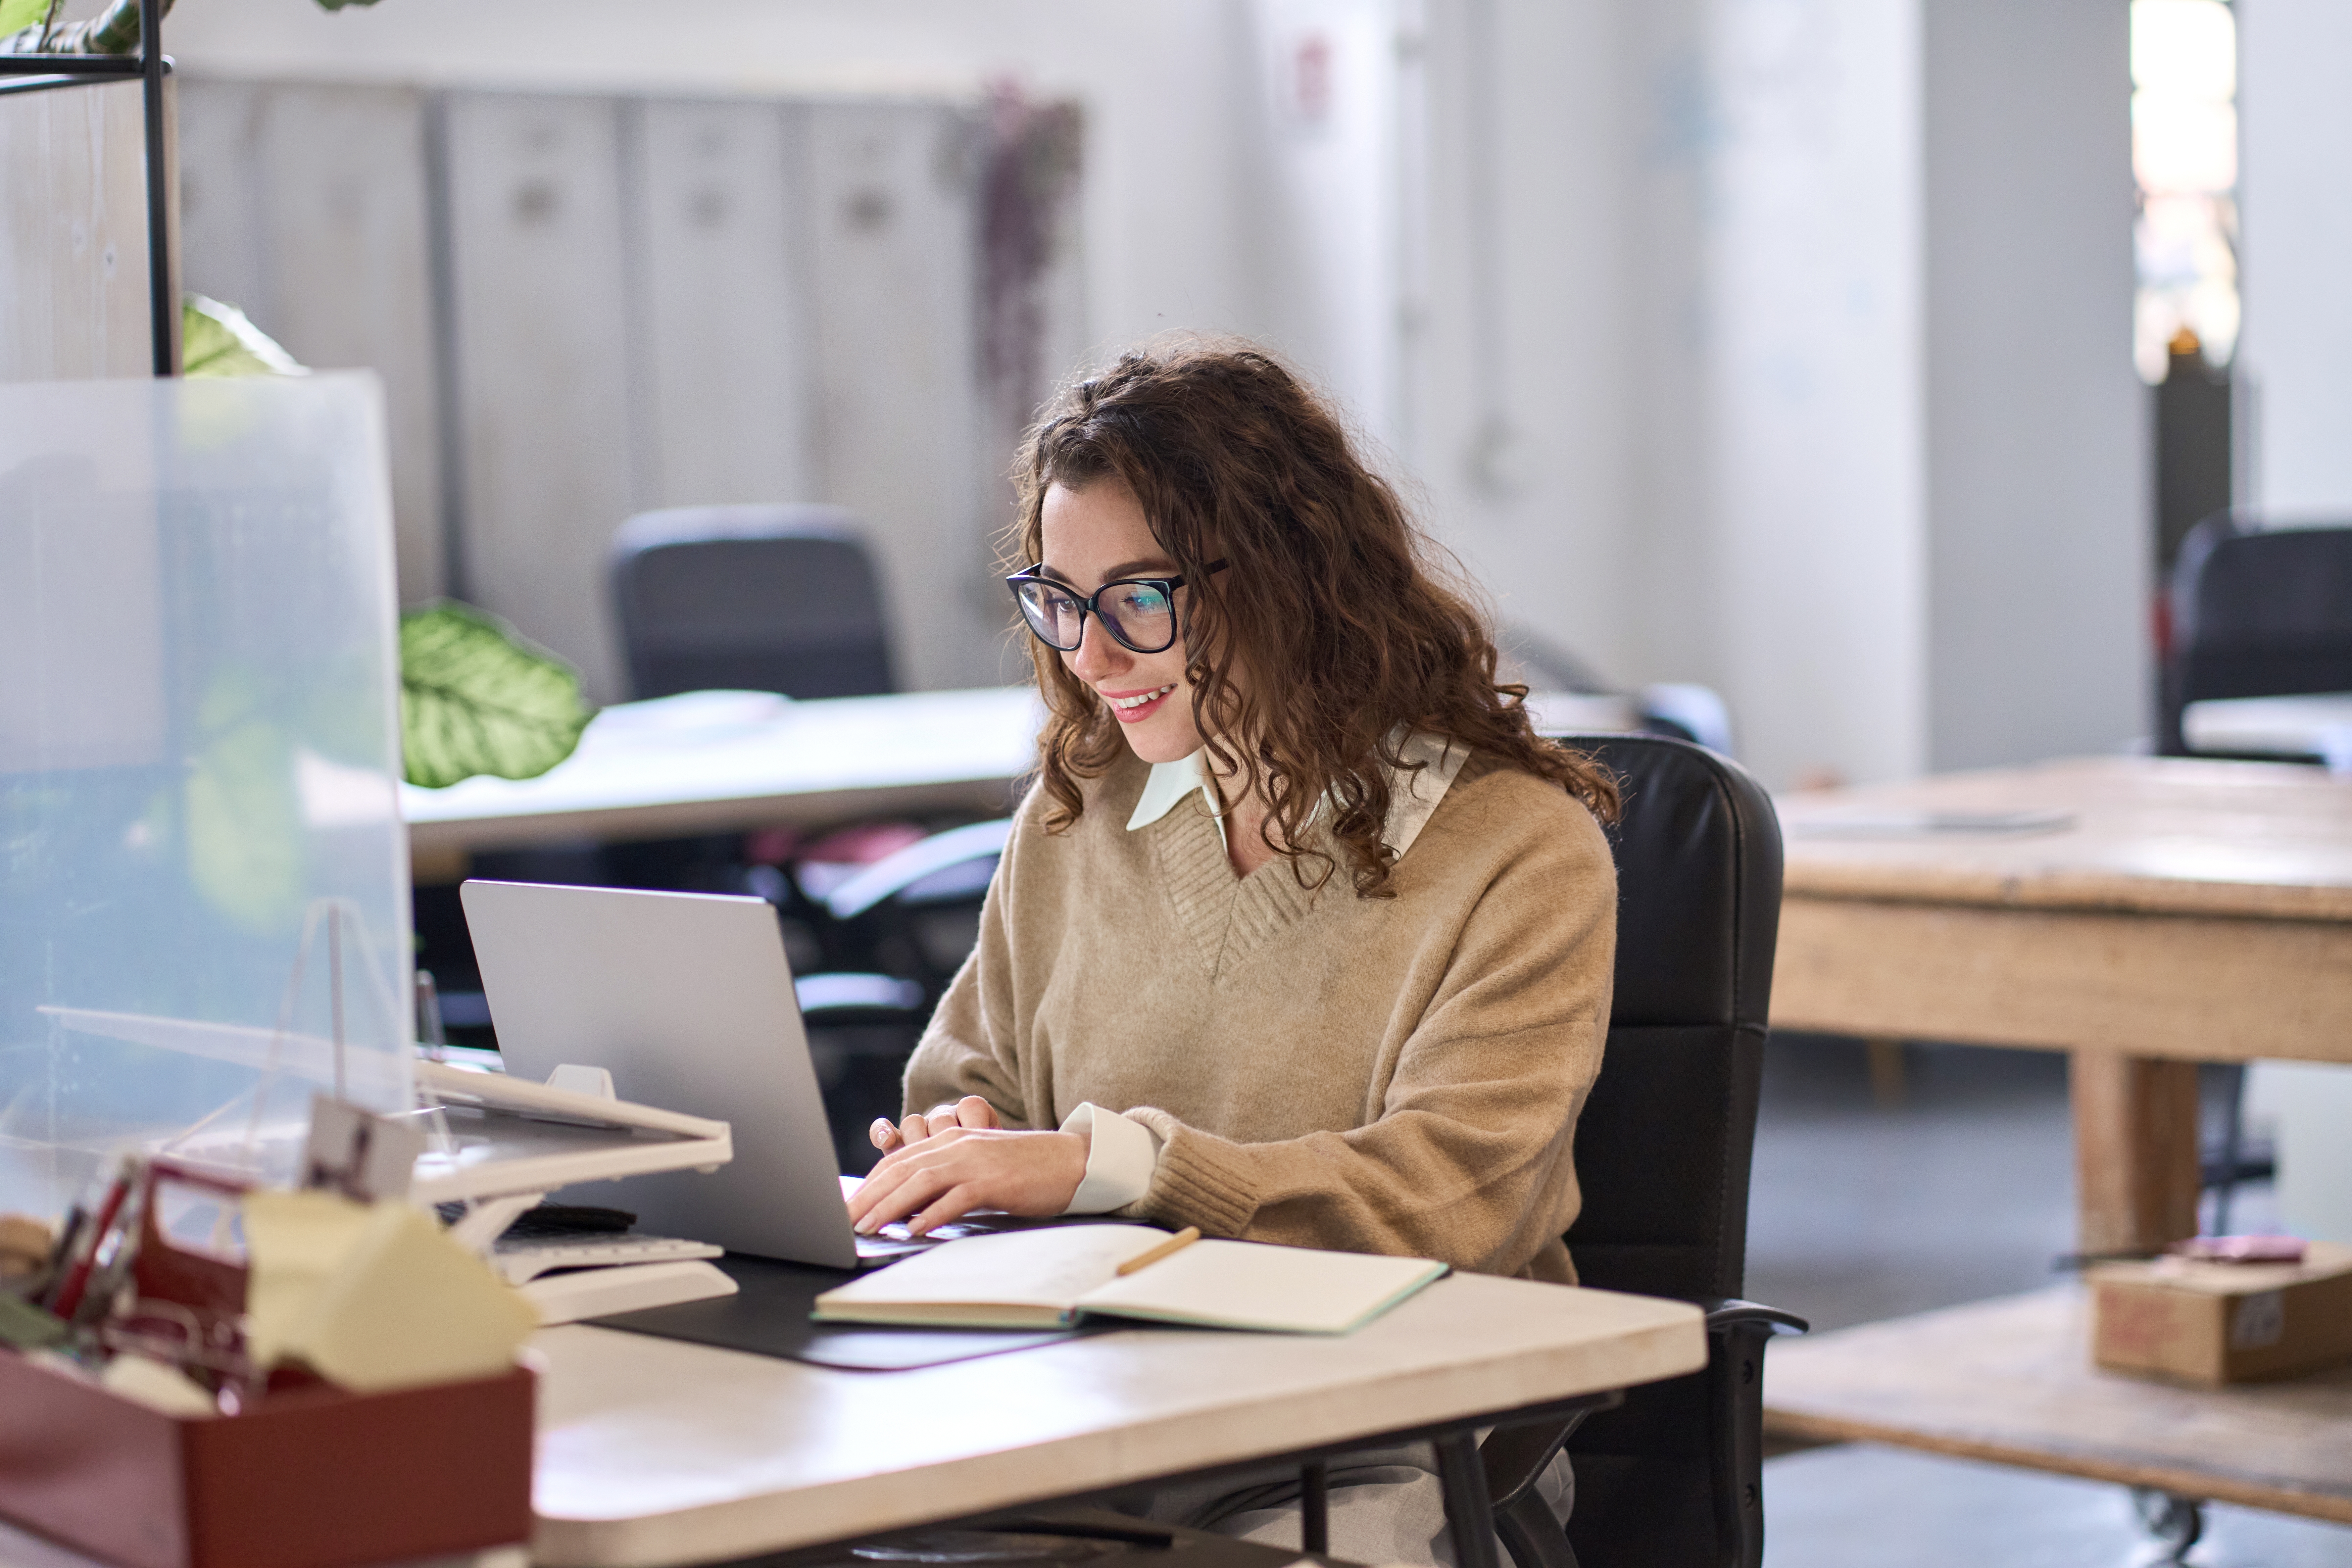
894 873
1727 1315
1738 1333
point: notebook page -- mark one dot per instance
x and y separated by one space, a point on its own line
1050 1267
1247 1285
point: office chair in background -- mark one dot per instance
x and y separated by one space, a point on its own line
1673 1477
2252 613
754 598
2255 613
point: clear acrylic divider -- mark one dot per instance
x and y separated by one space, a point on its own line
203 878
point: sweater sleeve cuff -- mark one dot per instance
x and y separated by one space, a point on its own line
1198 1180
1120 1157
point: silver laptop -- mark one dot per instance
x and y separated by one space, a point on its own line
686 1000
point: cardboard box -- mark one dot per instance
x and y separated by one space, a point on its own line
2212 1323
313 1477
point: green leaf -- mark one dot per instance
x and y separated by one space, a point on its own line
475 698
217 339
247 854
17 14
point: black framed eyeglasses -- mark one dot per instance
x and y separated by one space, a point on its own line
1139 612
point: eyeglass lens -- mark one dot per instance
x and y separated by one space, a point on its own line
1139 615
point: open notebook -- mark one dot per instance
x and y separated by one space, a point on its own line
1048 1278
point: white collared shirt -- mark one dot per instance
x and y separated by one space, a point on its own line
1122 1155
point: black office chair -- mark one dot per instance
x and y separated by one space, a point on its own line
756 598
1674 1476
2255 614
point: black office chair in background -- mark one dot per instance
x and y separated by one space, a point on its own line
756 598
2255 614
2252 613
1673 1478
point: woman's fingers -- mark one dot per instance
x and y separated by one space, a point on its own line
918 1186
885 1136
965 1168
873 1192
915 1128
951 1206
974 1111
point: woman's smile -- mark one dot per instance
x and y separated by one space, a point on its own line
1134 707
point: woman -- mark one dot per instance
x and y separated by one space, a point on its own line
1303 935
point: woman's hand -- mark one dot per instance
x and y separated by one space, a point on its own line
959 1168
970 1111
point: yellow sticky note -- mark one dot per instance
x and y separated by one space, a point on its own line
293 1243
405 1305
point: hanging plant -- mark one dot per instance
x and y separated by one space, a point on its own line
476 697
30 27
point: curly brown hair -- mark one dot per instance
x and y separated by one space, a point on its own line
1345 620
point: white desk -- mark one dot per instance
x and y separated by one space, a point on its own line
652 1451
711 762
721 762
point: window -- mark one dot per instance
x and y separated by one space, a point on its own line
2184 67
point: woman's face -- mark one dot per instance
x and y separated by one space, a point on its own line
1098 535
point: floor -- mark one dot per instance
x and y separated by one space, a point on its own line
1872 1200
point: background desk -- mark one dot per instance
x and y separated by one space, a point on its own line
2183 911
719 761
724 761
2012 1381
652 1451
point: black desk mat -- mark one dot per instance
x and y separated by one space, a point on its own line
769 1315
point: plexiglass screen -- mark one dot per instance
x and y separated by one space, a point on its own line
203 873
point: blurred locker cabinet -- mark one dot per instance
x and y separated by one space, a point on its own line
718 202
541 323
892 223
586 306
308 208
73 235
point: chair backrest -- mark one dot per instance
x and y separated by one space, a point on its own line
761 598
1663 1143
2266 613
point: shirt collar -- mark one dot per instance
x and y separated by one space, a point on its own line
1414 793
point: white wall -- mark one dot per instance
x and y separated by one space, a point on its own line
1797 589
2295 193
1324 243
2040 536
1518 423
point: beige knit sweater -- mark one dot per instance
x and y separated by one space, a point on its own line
1374 1075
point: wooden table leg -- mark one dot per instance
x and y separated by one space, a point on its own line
2135 1151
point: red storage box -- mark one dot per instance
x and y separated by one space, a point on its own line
313 1477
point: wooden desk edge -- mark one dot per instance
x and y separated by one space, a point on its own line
1914 882
1780 1421
2197 988
1090 1462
